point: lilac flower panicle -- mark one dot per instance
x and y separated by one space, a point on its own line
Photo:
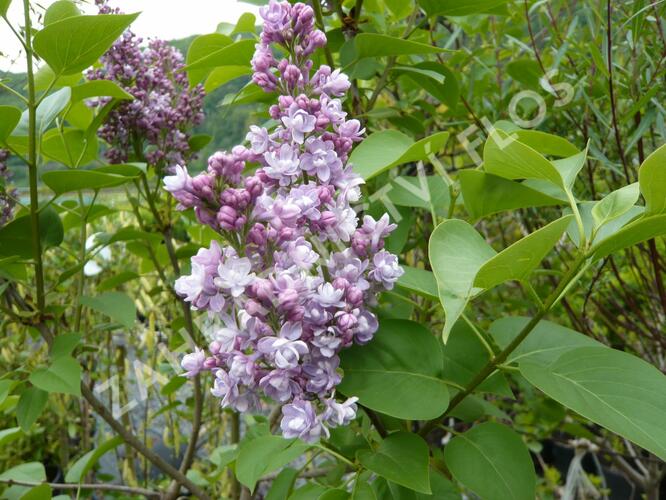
292 285
164 109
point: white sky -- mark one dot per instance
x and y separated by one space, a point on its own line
167 19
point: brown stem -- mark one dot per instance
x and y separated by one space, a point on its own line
136 443
611 90
86 486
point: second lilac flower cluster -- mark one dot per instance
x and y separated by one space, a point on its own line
293 284
156 123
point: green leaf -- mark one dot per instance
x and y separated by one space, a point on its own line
334 494
73 148
465 356
41 492
265 454
362 491
73 44
31 471
44 79
117 280
436 79
543 345
59 10
506 157
64 344
48 109
16 237
116 305
493 462
4 6
457 252
98 88
419 281
615 204
519 260
202 46
30 406
420 192
245 24
65 181
282 484
9 435
131 170
633 233
236 54
62 376
77 472
223 74
457 8
652 180
378 45
525 71
612 388
570 167
199 141
542 142
486 194
402 457
388 148
397 372
9 118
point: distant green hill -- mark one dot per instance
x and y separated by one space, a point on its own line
226 125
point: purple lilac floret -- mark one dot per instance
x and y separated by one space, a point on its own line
295 281
7 195
154 125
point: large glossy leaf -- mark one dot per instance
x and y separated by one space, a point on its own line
612 388
519 260
265 454
652 180
78 470
505 156
75 43
378 45
402 457
486 194
615 204
30 406
397 373
419 281
66 181
9 118
457 252
116 305
542 142
63 375
544 344
388 148
640 230
493 462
